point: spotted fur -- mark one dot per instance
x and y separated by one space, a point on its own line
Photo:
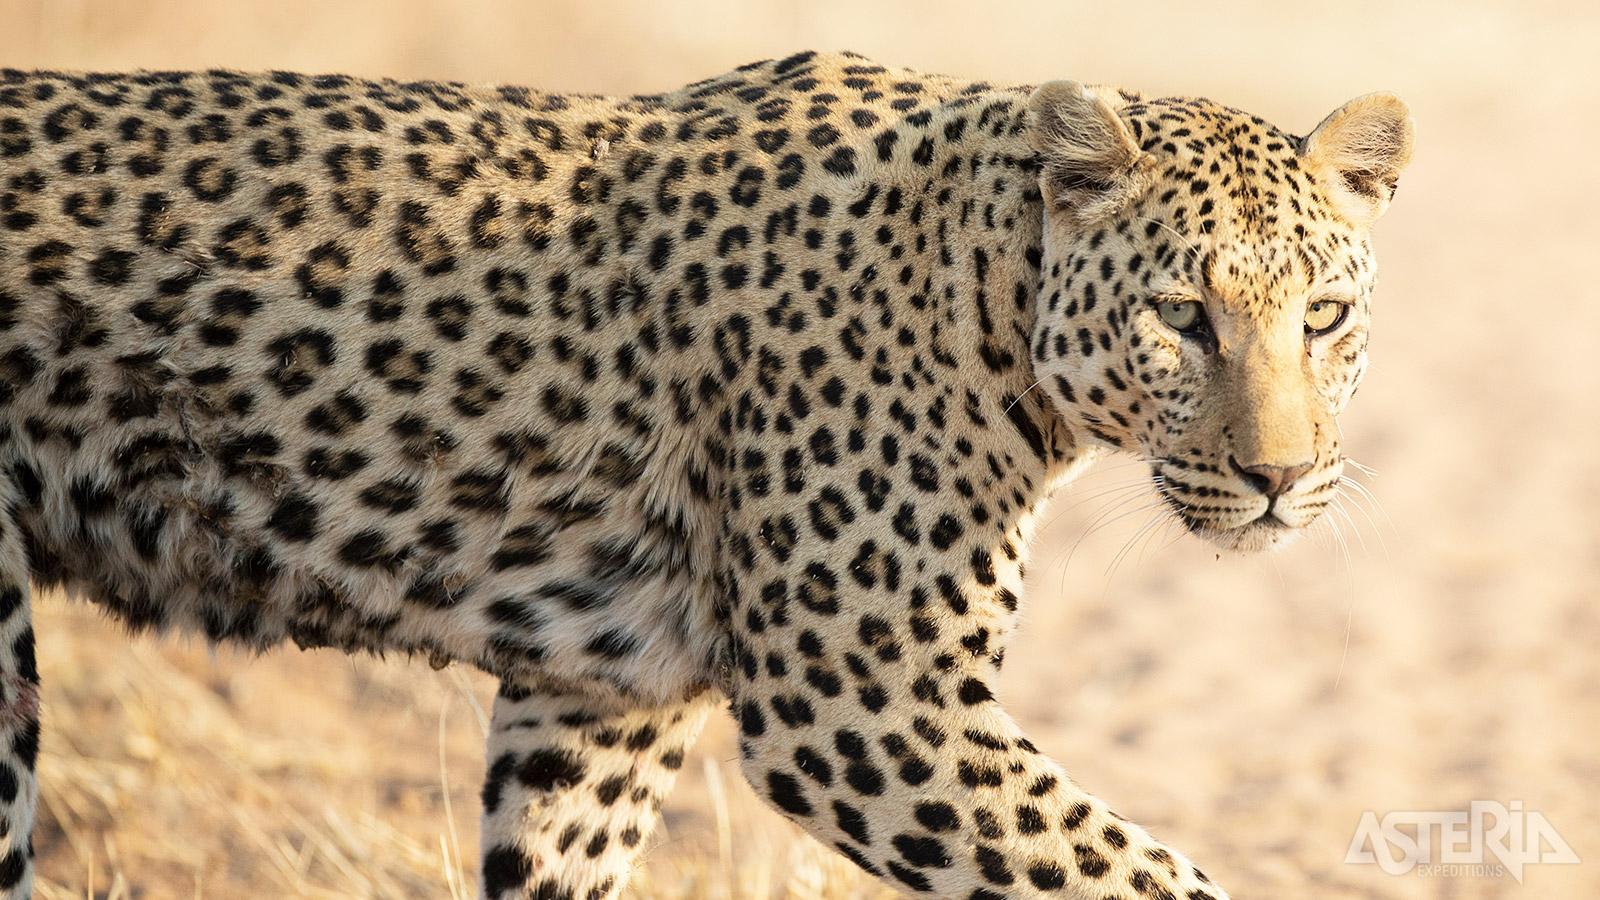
746 391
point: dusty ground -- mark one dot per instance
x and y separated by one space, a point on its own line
1249 710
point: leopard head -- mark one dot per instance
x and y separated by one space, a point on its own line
1206 293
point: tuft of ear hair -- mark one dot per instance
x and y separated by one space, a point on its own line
1363 146
1090 165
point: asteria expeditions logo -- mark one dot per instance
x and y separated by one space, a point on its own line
1488 839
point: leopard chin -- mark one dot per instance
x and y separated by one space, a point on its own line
1263 534
1266 531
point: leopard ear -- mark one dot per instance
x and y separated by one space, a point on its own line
1363 146
1090 165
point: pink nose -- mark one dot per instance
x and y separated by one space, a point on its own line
1273 481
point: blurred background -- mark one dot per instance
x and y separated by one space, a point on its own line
1442 647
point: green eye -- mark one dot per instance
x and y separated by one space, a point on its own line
1182 315
1325 315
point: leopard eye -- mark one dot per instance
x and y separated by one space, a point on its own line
1324 316
1185 316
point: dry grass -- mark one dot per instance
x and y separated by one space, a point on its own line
172 772
152 775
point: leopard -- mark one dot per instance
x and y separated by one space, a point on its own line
746 396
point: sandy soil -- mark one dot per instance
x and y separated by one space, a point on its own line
1442 649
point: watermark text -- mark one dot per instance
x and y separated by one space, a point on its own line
1488 839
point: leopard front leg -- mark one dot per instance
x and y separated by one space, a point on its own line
19 707
866 716
574 787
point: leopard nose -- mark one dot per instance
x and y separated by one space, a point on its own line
1273 481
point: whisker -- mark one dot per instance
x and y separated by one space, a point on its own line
1128 545
1105 520
1338 507
1158 525
1177 533
1188 243
1366 496
1102 520
1023 394
1112 497
1361 467
1344 543
1113 507
1350 608
1340 496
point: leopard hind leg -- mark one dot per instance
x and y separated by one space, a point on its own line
574 787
